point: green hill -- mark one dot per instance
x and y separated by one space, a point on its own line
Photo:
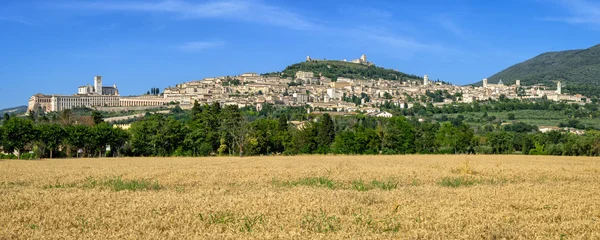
336 69
579 70
13 110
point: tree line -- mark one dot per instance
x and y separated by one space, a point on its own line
207 130
56 139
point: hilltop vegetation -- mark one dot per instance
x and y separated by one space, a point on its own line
337 69
578 69
14 110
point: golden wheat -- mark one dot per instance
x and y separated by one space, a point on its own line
326 197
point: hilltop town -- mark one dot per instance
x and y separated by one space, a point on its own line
304 88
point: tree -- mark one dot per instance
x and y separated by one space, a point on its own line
511 116
169 136
31 115
50 137
425 138
456 138
78 137
177 110
18 133
282 123
157 135
198 142
117 140
239 133
264 137
398 136
97 117
359 140
325 133
196 111
229 127
66 117
501 142
304 140
100 136
387 95
141 134
2 142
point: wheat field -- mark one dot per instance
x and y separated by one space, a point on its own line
302 197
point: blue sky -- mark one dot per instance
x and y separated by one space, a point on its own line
55 46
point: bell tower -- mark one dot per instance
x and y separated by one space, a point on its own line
98 84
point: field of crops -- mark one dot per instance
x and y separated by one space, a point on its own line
533 117
327 197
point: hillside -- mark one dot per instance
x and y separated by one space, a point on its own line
579 70
14 110
336 69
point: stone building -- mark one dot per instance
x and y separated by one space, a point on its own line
89 96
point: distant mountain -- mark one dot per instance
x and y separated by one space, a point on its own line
337 69
575 68
14 110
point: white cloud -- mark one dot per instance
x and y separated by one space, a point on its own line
16 20
242 10
365 12
200 45
391 40
370 35
452 27
581 12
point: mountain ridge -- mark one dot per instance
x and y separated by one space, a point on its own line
15 110
573 67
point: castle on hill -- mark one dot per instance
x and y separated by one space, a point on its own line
361 60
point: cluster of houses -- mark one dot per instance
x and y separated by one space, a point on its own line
311 89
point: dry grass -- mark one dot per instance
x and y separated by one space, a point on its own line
327 197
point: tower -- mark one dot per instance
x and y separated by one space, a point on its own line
518 83
98 84
308 58
485 83
425 80
363 58
558 88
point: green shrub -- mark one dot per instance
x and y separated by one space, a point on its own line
539 150
310 182
29 156
321 223
119 184
221 217
360 186
7 156
446 151
455 182
389 185
484 150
